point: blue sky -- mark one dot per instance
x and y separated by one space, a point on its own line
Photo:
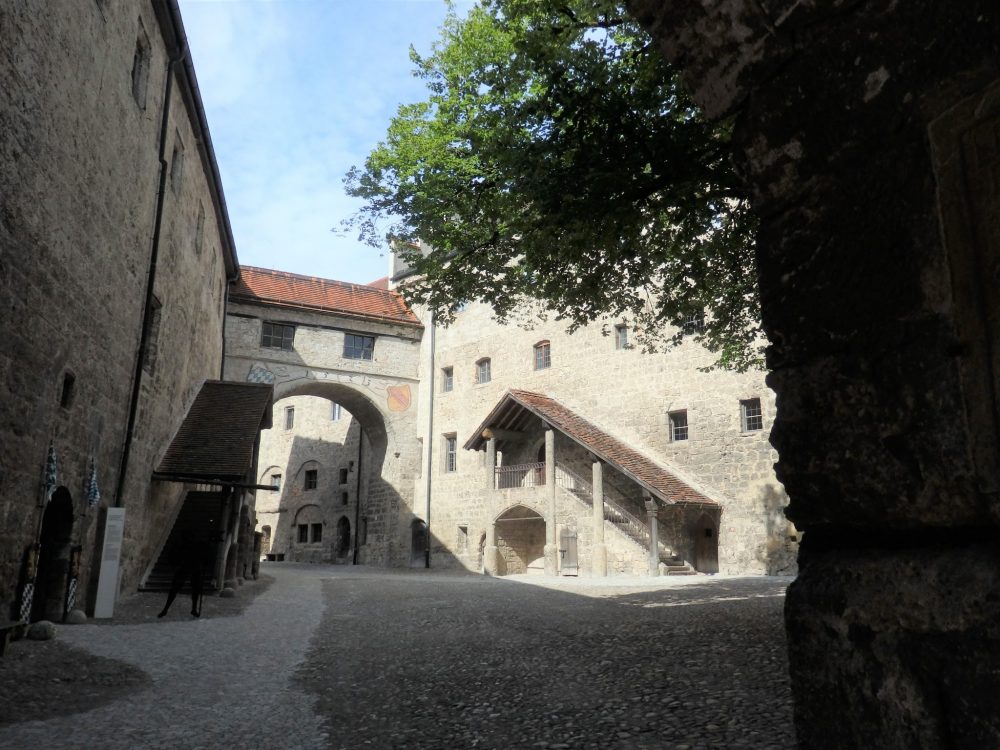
296 92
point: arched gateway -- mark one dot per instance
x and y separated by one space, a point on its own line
357 347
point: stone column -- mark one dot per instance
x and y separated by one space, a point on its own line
654 535
491 463
599 554
491 555
552 547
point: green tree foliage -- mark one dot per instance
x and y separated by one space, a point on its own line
558 157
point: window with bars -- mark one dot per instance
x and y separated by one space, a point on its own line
312 479
343 476
483 371
543 355
678 425
335 412
447 379
621 336
751 415
317 532
450 454
289 417
359 347
303 533
277 336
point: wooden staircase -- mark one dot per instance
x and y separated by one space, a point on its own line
198 516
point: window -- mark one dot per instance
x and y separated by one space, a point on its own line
68 390
303 533
277 336
312 475
317 532
751 415
199 230
140 68
678 425
450 454
177 165
335 412
621 336
694 323
447 379
152 335
344 498
358 347
343 476
276 480
289 417
483 371
543 355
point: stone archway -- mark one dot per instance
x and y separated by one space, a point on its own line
418 543
55 546
520 540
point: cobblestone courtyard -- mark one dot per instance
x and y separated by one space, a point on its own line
349 657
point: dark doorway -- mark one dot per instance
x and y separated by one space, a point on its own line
418 543
343 537
706 545
53 558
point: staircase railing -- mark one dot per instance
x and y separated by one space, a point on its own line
615 511
519 475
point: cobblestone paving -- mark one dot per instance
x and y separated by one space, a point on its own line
432 661
355 658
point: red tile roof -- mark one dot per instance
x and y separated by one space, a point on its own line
382 283
264 286
658 480
217 437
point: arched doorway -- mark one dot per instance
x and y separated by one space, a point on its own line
343 538
706 544
520 540
55 546
418 543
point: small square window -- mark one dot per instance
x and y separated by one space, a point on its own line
751 415
450 454
289 417
343 476
312 477
447 379
344 498
483 374
543 355
303 533
621 337
317 532
335 413
277 336
678 425
694 323
358 347
276 480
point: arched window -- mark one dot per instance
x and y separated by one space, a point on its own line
483 374
543 355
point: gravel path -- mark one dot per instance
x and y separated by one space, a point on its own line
352 658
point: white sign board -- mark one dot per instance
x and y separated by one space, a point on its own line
111 551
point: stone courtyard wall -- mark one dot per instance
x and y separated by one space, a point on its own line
78 175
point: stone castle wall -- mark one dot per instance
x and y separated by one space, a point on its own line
79 180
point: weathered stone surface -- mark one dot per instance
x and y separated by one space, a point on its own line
43 630
76 617
228 592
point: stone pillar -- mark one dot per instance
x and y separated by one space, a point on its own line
491 555
552 545
599 554
654 535
491 463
